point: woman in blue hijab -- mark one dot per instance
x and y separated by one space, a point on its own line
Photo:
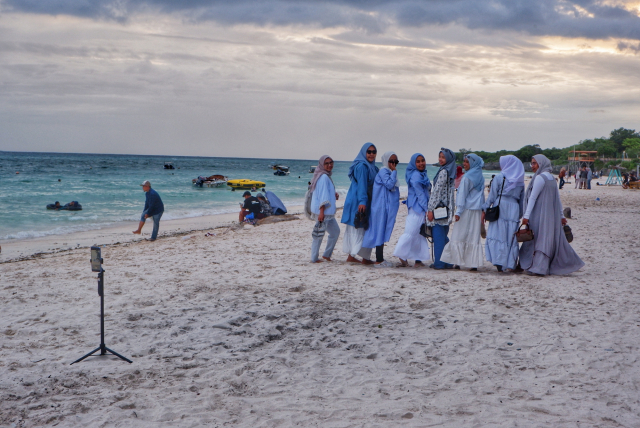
384 208
465 248
362 174
411 244
441 203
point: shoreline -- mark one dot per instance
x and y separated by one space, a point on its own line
121 233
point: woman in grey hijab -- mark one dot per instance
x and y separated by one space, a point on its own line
548 253
441 204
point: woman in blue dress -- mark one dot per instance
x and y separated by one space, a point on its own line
411 244
362 174
384 208
507 192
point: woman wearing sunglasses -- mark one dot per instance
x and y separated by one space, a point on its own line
356 211
411 244
384 208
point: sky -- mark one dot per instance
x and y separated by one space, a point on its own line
296 79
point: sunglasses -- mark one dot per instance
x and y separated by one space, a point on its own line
394 162
372 152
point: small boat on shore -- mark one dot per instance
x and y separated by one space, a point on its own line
211 181
245 184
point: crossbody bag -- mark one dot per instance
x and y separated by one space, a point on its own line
493 213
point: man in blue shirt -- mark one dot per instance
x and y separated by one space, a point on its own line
153 207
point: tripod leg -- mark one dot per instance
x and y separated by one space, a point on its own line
88 355
118 355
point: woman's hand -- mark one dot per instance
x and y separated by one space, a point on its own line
430 215
483 220
362 208
392 166
321 215
564 221
525 221
457 217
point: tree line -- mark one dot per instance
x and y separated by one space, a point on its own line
620 141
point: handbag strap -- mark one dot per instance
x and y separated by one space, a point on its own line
501 190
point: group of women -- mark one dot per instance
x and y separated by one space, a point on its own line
373 200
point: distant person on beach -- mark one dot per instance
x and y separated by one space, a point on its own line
251 208
589 178
578 184
464 250
507 192
561 177
411 244
548 253
357 205
384 208
153 207
442 200
323 210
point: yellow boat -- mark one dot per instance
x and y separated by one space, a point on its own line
245 184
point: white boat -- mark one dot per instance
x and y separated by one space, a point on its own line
312 169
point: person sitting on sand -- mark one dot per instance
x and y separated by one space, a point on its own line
251 208
153 207
264 204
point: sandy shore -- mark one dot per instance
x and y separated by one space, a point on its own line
239 329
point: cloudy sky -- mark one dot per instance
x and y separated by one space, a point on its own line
301 78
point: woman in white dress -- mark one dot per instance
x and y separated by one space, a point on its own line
411 244
464 250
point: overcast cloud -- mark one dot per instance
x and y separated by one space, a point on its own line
297 79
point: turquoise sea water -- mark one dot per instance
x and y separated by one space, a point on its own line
108 187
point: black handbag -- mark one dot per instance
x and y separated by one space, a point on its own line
361 221
493 213
425 231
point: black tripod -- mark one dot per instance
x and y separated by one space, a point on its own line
102 348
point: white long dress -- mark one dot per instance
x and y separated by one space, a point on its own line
465 246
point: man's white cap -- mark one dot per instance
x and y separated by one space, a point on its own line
146 183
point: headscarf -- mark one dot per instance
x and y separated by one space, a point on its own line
319 172
411 168
544 165
512 171
475 172
362 158
449 166
385 163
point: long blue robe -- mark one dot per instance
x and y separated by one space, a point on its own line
501 247
275 203
357 195
384 209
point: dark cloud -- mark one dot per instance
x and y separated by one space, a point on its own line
622 46
578 18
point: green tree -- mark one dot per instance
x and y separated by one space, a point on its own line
619 135
632 146
527 152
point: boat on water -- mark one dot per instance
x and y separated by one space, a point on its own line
312 169
280 169
169 165
245 184
215 180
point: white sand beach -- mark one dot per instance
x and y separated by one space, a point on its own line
239 329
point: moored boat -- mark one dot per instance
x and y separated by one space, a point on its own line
211 181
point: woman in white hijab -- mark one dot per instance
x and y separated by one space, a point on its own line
384 208
548 253
507 193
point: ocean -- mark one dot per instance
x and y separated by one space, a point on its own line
108 188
